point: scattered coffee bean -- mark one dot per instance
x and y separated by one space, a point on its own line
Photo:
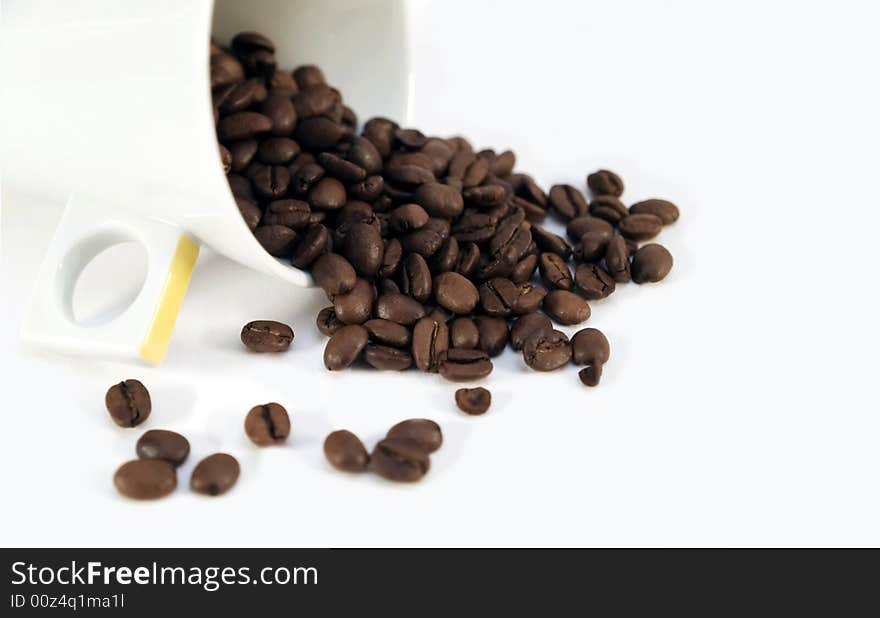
162 444
664 210
266 336
566 307
591 375
546 351
145 479
640 227
422 432
651 263
128 403
399 460
473 400
267 424
346 452
568 201
215 474
604 182
589 346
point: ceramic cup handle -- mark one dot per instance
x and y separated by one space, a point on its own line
142 331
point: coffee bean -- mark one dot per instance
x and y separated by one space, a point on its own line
386 358
128 403
327 321
271 182
388 333
215 474
242 125
464 333
345 347
423 433
640 227
305 177
651 263
266 336
399 308
364 154
555 271
503 164
591 375
498 297
245 42
593 281
380 132
345 451
590 347
526 188
290 213
430 340
439 200
525 326
356 306
267 424
617 259
593 246
308 75
407 174
312 245
455 293
550 242
666 211
473 401
364 247
225 69
242 152
339 168
446 257
391 258
427 239
546 351
465 365
474 227
475 173
492 334
277 240
605 182
277 150
524 269
579 226
468 259
369 189
568 201
530 298
327 194
609 208
485 196
566 307
162 444
225 159
399 460
145 479
407 218
318 133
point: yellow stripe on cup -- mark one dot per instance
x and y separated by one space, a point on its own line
173 290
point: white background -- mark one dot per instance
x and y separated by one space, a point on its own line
739 406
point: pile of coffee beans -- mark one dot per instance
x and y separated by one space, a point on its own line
403 455
432 254
160 452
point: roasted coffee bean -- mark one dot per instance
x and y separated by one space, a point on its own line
163 444
439 200
492 334
267 424
128 403
427 239
465 365
250 212
528 189
593 281
498 297
386 358
339 168
277 240
305 176
368 189
399 460
455 292
591 375
380 132
546 351
666 211
430 340
318 133
550 242
473 401
503 164
468 259
215 474
399 308
590 347
312 245
282 82
356 306
317 100
439 152
290 213
407 174
308 75
345 347
364 247
510 241
388 333
533 212
485 196
391 258
407 218
475 173
609 208
225 159
279 109
604 182
242 95
566 307
554 271
364 154
526 325
334 274
579 226
617 259
327 194
271 181
651 263
225 69
593 245
446 257
145 479
245 42
412 139
327 321
242 125
474 227
500 267
277 150
464 333
524 269
266 336
568 201
387 286
423 433
530 298
640 227
345 451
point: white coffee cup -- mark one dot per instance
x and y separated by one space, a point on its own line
107 103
